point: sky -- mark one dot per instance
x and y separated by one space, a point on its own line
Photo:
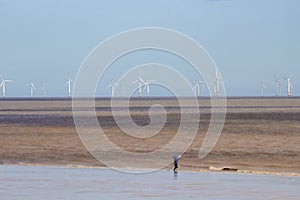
249 40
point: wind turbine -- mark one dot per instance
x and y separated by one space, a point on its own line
69 85
44 90
120 86
113 87
32 88
198 88
147 86
3 85
278 85
262 87
141 82
289 85
217 84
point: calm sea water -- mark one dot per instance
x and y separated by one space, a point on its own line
17 182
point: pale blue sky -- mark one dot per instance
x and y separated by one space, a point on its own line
248 40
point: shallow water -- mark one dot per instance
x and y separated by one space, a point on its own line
19 182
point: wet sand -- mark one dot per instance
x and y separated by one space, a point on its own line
260 135
19 182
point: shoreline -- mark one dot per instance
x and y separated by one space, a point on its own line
212 170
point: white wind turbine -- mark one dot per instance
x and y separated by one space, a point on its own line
44 90
195 88
217 84
289 85
262 87
141 82
198 88
3 85
147 86
278 85
120 87
69 85
113 87
32 88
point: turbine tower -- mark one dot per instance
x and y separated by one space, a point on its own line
262 86
278 85
290 85
113 87
198 88
3 85
44 90
217 84
141 82
32 88
120 87
147 86
69 85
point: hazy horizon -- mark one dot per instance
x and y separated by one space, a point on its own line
43 41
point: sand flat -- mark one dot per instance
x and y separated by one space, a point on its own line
259 134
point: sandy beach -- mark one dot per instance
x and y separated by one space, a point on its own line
260 135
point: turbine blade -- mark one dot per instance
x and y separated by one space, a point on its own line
276 79
152 81
110 85
145 87
285 77
134 82
142 81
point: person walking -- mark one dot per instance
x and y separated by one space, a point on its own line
176 159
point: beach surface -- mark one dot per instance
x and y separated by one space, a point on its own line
259 136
